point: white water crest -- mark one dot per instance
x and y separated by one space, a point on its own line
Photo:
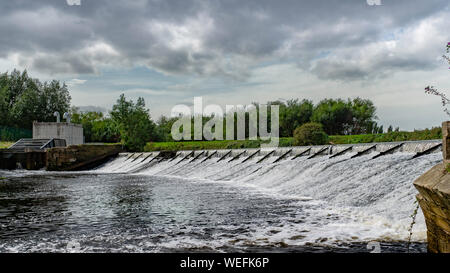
343 199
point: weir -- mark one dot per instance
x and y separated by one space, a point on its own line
137 157
319 152
348 151
342 152
223 157
381 188
283 156
237 156
250 156
427 151
209 156
388 151
365 151
266 156
197 156
302 153
187 156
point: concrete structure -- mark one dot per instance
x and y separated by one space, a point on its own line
81 157
72 133
434 199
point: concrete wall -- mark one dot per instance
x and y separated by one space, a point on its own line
79 157
434 199
72 133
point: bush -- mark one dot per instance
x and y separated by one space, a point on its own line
310 134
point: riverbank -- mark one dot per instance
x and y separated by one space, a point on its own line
428 134
5 144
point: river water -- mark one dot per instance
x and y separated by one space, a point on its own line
301 205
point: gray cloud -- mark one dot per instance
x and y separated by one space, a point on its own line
216 38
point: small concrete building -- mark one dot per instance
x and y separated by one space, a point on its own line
72 133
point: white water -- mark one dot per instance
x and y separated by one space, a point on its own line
373 199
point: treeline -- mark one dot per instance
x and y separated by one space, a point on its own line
128 122
24 100
337 117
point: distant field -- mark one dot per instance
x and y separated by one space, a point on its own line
5 144
434 133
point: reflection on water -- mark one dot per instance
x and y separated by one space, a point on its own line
43 212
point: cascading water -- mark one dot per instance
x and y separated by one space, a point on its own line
150 203
352 199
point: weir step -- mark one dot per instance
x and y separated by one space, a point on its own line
250 156
302 153
173 158
156 156
134 159
187 156
364 151
342 152
266 156
427 151
145 158
196 157
239 155
319 152
282 156
209 156
223 157
388 150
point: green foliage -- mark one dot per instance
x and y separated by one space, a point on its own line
134 123
13 134
447 168
5 144
211 145
293 113
96 127
24 100
310 134
334 115
340 117
427 134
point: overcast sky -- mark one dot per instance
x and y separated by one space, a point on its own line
236 52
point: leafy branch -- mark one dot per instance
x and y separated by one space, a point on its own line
433 91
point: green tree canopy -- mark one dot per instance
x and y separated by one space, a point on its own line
24 100
134 123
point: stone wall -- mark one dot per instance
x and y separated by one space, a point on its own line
30 160
434 199
79 157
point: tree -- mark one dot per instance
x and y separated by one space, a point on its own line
335 116
133 120
390 129
24 100
311 133
363 114
293 113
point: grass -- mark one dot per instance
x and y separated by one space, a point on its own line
5 144
210 145
428 134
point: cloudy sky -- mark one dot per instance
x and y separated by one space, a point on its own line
236 51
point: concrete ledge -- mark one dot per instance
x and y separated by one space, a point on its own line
434 199
30 160
79 157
